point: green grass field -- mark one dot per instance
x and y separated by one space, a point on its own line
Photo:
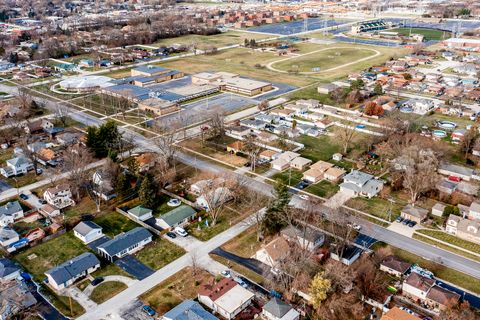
159 253
324 60
106 290
219 40
114 223
429 34
474 247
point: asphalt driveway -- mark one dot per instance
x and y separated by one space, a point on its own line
135 268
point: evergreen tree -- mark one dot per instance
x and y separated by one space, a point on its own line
122 186
147 192
104 140
378 90
272 221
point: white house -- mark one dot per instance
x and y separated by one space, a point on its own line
8 270
103 181
276 309
214 198
16 166
417 286
68 272
358 183
59 196
226 297
463 228
10 212
349 255
307 238
125 243
87 231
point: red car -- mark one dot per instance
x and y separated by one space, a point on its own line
454 179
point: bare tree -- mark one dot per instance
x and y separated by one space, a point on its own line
61 114
252 148
30 154
468 141
341 228
165 142
217 123
418 167
76 160
345 133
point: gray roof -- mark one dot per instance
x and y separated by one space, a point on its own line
19 161
357 177
139 211
308 233
10 208
7 267
7 233
178 214
453 168
189 310
72 268
415 211
149 69
125 240
277 307
84 227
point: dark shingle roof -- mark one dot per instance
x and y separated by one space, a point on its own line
72 268
189 310
277 307
7 267
125 240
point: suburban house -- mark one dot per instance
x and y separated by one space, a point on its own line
177 217
8 236
300 163
104 184
307 238
226 297
87 231
453 170
413 213
463 228
10 212
140 213
474 211
317 171
125 243
38 126
189 310
349 255
214 198
59 196
273 253
395 266
334 174
277 309
358 183
439 298
200 186
16 166
68 272
9 270
416 286
283 161
398 314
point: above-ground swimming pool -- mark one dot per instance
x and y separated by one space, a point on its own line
448 125
439 133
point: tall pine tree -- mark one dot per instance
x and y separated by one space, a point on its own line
148 192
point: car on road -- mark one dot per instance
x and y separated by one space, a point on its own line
174 203
148 310
399 219
23 196
171 235
97 281
226 273
181 232
303 196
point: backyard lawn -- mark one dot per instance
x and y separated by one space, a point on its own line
45 256
377 206
174 290
289 177
114 223
245 244
318 148
159 253
106 290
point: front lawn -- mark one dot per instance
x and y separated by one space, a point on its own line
106 290
114 223
377 206
324 189
159 253
289 177
45 256
174 290
452 240
110 269
245 244
202 232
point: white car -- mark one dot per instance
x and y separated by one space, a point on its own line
181 232
355 226
303 196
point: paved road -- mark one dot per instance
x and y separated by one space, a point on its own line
45 309
252 264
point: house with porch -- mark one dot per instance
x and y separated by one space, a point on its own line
59 196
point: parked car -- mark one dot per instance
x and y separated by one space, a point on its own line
406 221
181 232
303 196
240 282
148 310
23 196
97 281
412 224
399 219
42 201
226 273
171 235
